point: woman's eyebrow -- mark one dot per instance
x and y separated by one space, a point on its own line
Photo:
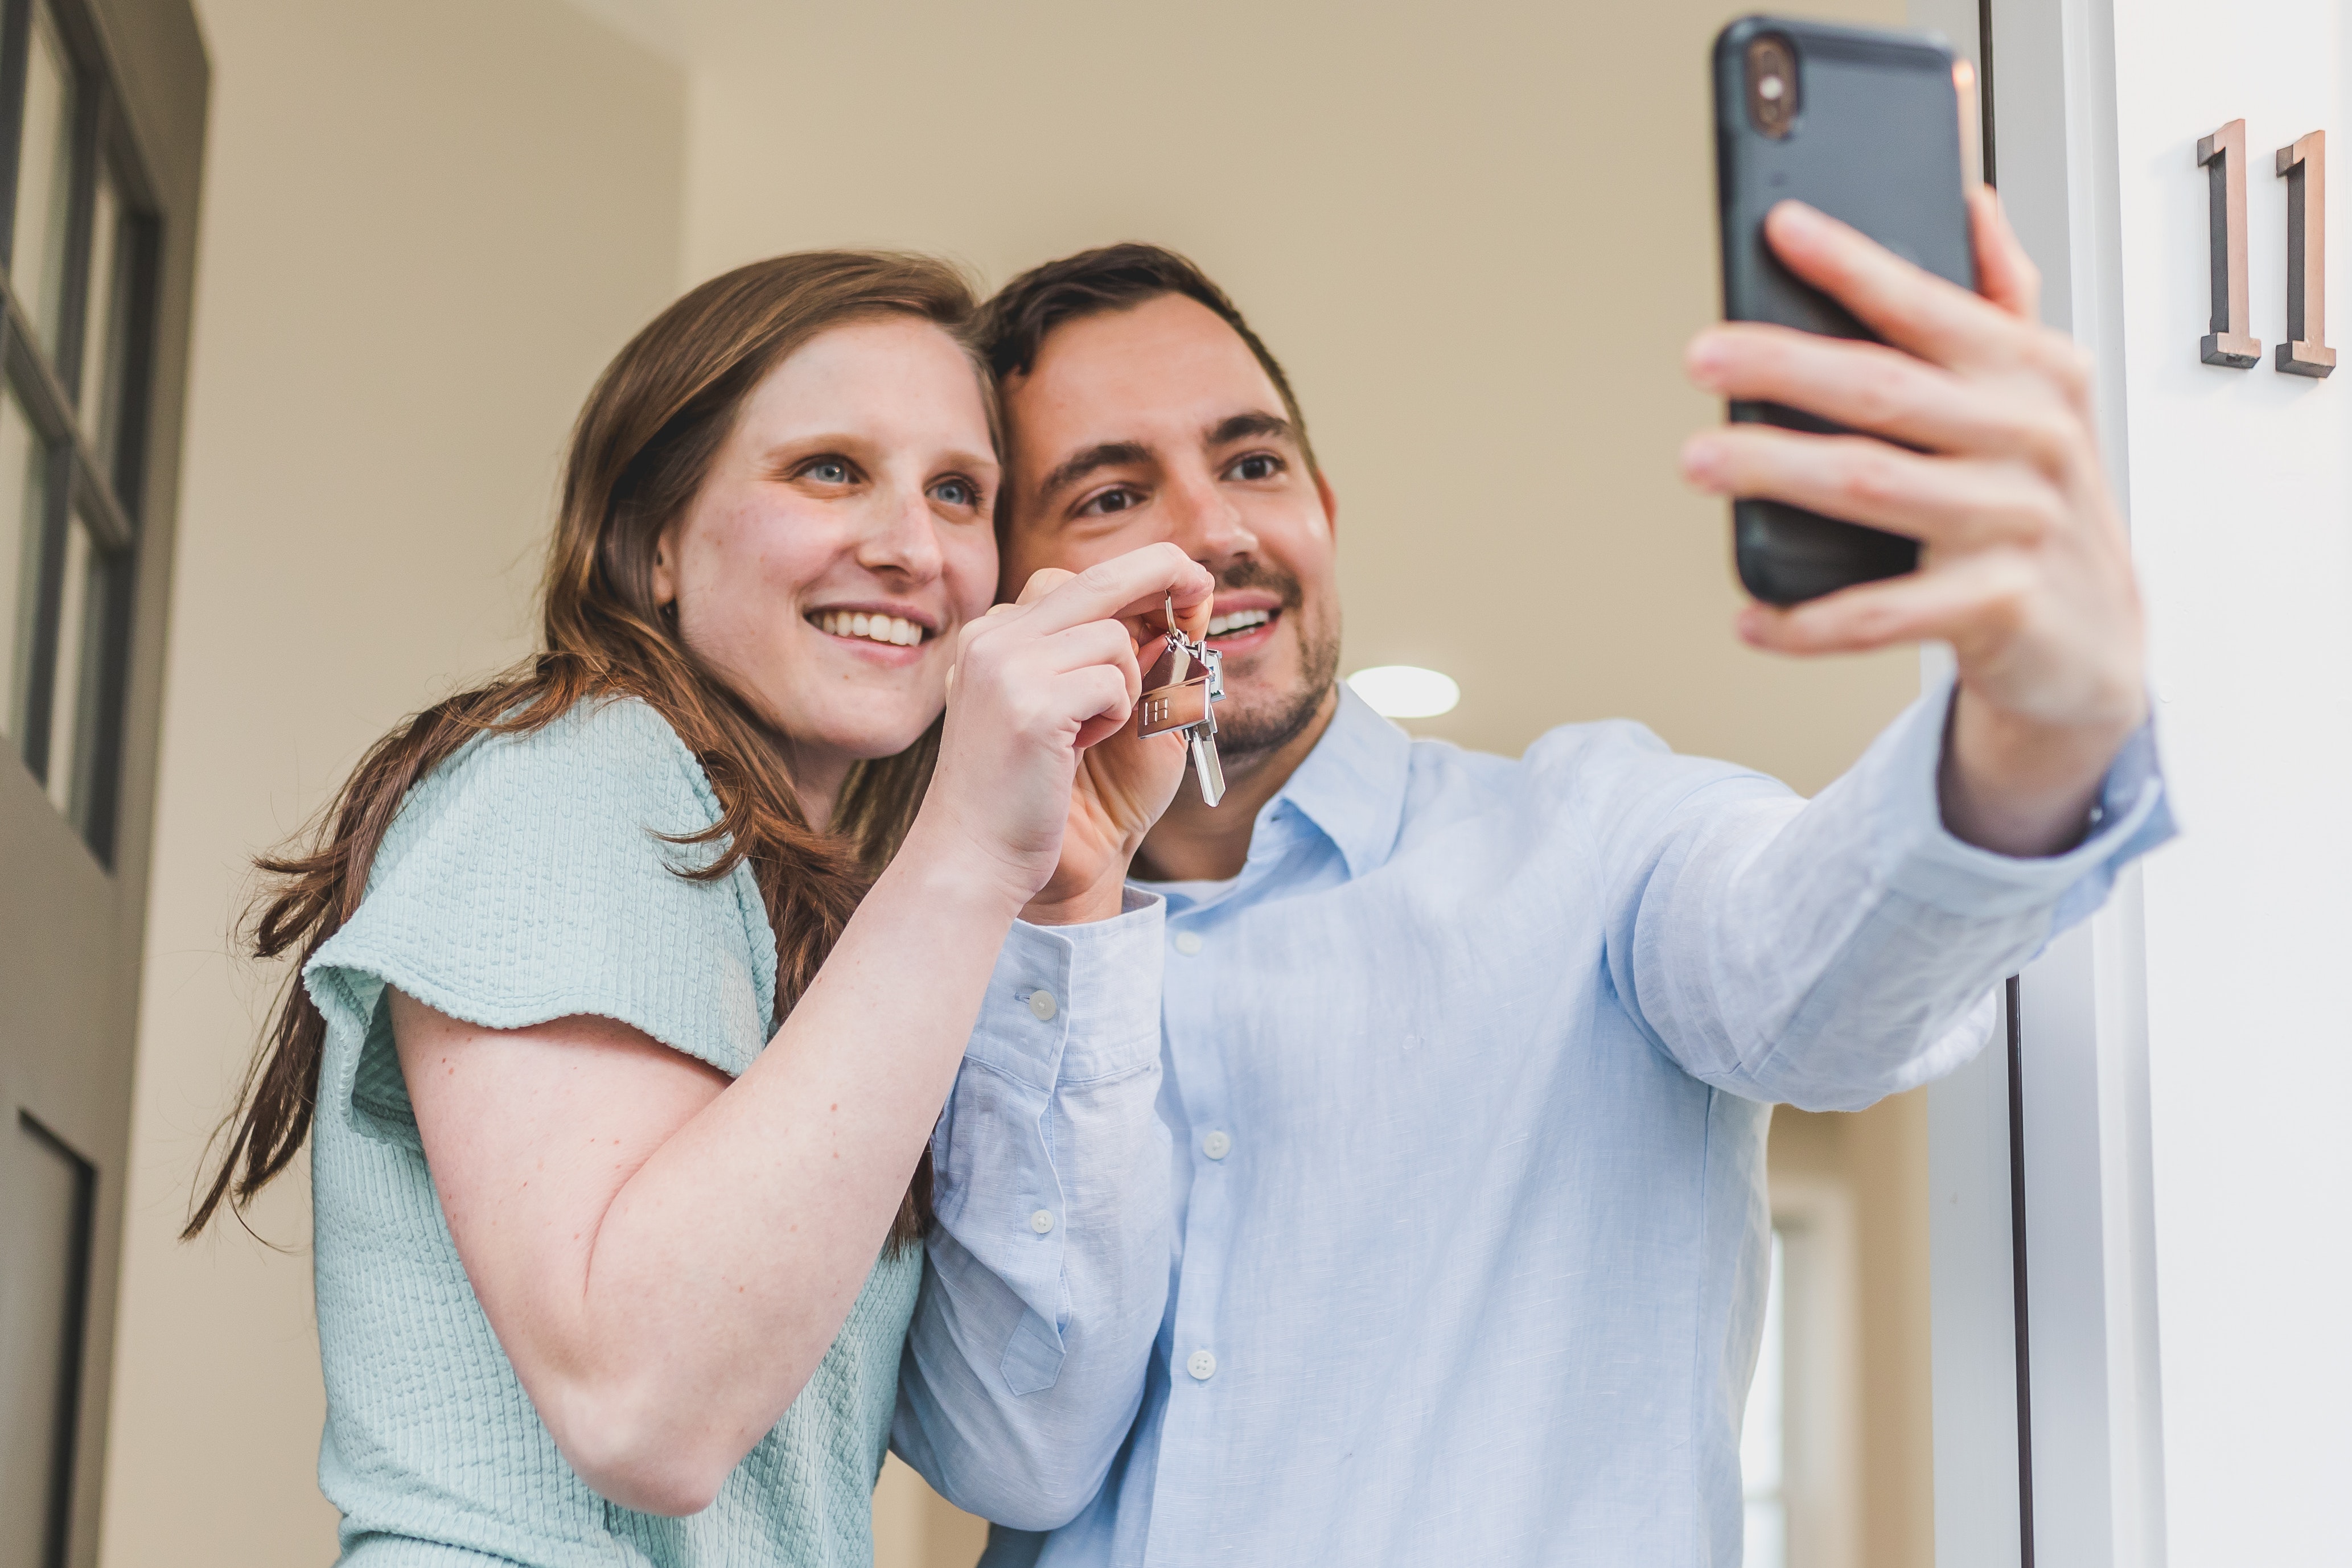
787 450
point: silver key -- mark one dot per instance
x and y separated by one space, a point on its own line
1189 706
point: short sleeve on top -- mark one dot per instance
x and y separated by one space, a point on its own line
529 878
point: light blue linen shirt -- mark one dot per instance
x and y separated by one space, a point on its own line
1419 1214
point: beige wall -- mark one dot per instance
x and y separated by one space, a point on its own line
1477 237
1476 234
427 225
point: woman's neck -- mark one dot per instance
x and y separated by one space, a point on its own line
817 774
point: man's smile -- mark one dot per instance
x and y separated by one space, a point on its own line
1241 629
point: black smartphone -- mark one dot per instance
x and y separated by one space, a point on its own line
1875 129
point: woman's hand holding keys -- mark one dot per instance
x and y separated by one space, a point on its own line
1039 770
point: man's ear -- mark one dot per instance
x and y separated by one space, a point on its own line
1330 500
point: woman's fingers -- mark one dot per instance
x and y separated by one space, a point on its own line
1024 675
1953 504
1098 692
1042 582
1097 642
1133 583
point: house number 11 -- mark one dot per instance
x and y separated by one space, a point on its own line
2304 167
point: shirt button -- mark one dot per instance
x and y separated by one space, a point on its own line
1041 1003
1202 1364
1216 1146
1042 1221
1188 943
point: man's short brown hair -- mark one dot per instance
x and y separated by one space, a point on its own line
1012 327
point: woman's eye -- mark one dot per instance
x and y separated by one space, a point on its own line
1110 501
956 493
1256 466
828 471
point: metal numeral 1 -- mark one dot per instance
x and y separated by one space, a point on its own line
2304 167
2223 156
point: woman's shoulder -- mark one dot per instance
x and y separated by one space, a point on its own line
609 774
608 744
550 871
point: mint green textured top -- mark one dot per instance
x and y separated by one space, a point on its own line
523 882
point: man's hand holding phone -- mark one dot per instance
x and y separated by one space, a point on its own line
1990 458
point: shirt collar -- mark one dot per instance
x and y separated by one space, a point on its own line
1351 785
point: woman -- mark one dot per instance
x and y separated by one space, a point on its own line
596 1238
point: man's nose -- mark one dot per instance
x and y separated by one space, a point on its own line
1204 522
901 537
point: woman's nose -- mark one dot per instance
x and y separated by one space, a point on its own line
904 537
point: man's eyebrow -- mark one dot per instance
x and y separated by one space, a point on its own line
1245 426
1104 455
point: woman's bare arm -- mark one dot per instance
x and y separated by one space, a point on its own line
666 1256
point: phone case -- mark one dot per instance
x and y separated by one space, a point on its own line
1874 141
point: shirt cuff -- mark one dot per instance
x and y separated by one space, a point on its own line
1919 858
1072 1003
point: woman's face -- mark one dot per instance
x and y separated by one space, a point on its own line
840 539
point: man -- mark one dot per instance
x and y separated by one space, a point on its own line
1467 1063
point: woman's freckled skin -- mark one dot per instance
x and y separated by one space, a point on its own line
764 543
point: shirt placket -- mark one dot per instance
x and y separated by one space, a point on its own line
1196 1359
1206 984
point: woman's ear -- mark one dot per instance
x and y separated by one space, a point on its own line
666 568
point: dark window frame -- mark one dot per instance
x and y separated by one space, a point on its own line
95 475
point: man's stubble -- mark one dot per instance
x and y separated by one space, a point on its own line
1252 729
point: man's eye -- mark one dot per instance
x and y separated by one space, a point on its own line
828 471
1110 501
956 493
1256 466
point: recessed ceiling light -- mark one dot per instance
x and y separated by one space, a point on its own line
1406 691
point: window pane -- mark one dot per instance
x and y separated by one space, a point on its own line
37 255
22 470
99 336
70 707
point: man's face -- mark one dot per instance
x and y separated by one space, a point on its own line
1158 422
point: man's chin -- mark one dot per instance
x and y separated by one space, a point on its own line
1254 725
1274 693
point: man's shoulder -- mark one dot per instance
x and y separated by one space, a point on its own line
1599 768
1568 748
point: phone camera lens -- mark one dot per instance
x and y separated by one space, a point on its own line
1772 85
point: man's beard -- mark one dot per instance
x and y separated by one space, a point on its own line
1253 727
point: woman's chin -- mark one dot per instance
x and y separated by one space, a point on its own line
862 738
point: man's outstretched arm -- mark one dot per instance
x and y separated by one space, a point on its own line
2024 568
1831 952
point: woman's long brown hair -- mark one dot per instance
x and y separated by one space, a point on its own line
642 445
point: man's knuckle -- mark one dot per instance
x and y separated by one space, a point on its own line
1885 392
1871 476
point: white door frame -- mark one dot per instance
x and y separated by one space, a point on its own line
2052 1133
